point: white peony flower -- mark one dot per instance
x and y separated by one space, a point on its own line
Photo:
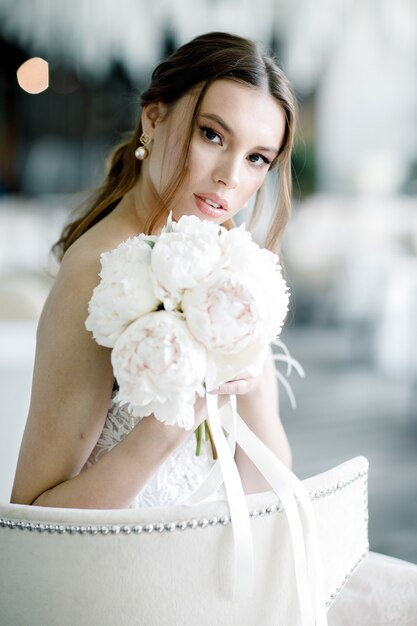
260 268
223 314
184 256
233 297
193 225
124 293
159 368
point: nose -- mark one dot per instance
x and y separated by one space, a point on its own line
227 171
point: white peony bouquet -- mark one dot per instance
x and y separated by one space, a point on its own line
186 311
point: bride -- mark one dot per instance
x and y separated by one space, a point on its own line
218 115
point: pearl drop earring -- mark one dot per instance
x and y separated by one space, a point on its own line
142 152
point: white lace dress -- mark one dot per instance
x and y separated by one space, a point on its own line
381 592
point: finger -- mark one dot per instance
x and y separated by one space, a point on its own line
233 387
244 376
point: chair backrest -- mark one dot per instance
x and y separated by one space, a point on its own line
171 565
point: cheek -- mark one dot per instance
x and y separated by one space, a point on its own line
200 160
253 182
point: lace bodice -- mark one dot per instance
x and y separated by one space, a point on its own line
176 478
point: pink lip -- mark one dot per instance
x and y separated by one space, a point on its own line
214 198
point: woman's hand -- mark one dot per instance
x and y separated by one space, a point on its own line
240 385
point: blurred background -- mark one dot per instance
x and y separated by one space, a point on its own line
70 76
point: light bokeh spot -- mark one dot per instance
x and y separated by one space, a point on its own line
33 75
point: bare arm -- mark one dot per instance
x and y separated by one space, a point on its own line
72 385
115 480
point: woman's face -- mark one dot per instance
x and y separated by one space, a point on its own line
238 133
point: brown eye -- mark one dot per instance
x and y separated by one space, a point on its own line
210 134
260 159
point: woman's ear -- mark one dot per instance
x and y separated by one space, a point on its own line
152 114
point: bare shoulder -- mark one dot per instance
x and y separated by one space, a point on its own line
72 374
79 273
62 337
82 259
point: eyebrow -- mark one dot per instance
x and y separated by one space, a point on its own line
222 123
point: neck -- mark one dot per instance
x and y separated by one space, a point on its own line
141 202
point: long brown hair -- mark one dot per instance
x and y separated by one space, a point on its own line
196 65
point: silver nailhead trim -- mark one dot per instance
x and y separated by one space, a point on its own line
182 525
193 523
364 554
344 581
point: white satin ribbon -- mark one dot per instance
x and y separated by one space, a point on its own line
214 479
289 489
242 532
306 551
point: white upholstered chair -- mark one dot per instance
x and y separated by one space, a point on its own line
171 566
